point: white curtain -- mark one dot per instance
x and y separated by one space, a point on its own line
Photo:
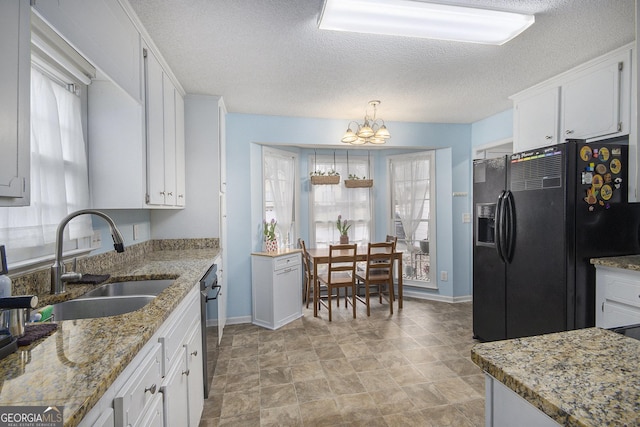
59 178
411 183
280 177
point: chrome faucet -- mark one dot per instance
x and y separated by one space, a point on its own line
58 275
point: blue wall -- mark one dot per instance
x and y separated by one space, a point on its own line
245 133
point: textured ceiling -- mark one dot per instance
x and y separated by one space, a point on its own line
268 57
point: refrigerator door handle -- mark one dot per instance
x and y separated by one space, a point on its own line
510 226
499 221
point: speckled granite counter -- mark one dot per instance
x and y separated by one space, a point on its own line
587 377
77 364
628 262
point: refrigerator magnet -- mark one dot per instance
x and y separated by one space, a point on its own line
606 192
587 178
601 169
585 153
604 154
615 166
597 181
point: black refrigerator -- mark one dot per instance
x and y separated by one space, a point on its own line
539 217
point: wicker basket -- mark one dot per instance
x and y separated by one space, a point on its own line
325 179
358 183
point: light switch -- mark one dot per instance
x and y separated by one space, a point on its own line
466 218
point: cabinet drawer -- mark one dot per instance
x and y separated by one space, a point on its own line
623 290
173 340
131 401
619 315
286 261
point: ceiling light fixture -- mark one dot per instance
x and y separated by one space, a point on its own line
424 20
372 131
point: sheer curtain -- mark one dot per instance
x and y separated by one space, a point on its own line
59 178
279 175
411 183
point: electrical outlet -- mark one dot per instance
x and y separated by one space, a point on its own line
96 239
136 231
444 276
466 218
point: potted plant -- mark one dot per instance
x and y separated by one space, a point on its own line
355 181
343 229
269 230
319 177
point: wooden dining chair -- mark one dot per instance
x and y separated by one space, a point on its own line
341 273
309 280
378 273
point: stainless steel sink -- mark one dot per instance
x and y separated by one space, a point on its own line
99 307
136 287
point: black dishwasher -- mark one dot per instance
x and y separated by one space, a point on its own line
209 290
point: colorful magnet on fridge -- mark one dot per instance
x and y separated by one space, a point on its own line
597 181
607 178
587 178
615 166
606 192
601 169
585 153
604 154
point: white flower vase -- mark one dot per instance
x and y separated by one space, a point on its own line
271 245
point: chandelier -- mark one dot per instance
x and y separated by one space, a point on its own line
372 131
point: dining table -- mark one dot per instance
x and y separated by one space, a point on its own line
320 256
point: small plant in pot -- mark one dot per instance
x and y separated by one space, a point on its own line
269 230
343 229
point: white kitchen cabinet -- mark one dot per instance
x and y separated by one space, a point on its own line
505 408
536 120
134 399
102 31
617 297
15 45
276 288
591 101
136 395
165 149
222 145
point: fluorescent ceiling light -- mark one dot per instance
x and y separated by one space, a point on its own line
424 20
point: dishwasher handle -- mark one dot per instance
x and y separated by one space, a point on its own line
217 288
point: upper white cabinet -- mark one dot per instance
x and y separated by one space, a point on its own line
592 101
15 41
536 119
102 31
165 137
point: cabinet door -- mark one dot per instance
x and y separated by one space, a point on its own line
536 120
154 416
169 101
154 106
195 378
591 103
287 294
180 151
15 39
174 390
222 145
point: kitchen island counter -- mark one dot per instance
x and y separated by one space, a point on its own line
586 377
75 365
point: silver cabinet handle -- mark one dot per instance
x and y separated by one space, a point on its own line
548 137
162 193
568 131
180 196
185 372
170 193
151 389
194 353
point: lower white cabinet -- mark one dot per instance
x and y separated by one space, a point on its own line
505 408
183 386
276 288
617 297
163 385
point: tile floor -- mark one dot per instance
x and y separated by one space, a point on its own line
411 368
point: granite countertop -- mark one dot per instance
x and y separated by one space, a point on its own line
77 363
628 262
277 253
586 377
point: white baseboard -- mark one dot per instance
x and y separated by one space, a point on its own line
435 297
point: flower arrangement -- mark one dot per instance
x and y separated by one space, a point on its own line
270 230
343 226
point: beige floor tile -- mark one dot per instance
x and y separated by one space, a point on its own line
411 368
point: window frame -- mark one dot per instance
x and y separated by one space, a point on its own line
432 220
